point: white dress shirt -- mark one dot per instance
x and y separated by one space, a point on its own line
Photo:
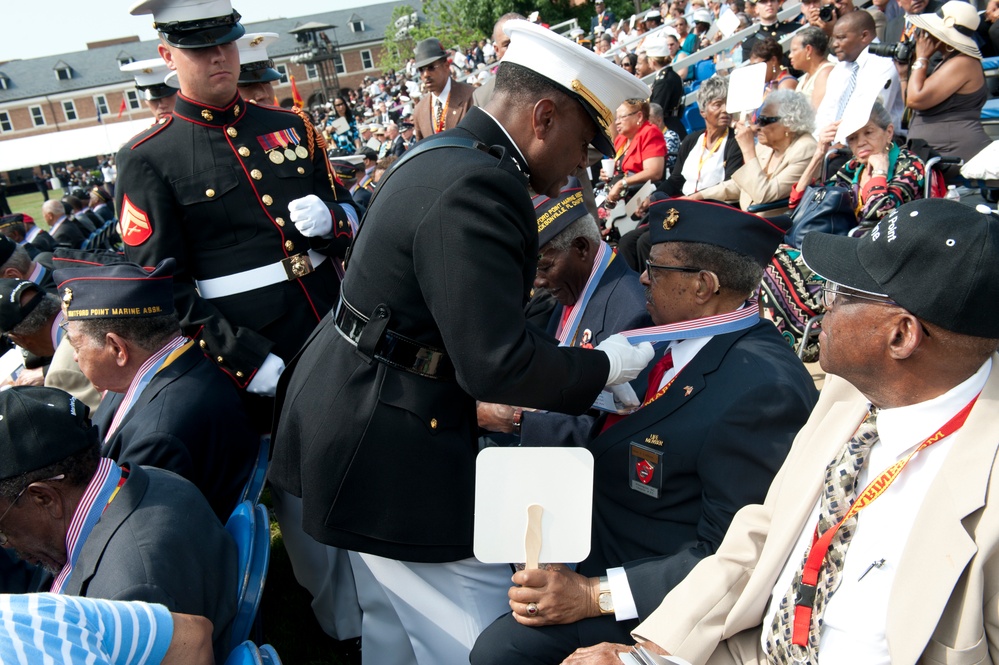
874 71
855 617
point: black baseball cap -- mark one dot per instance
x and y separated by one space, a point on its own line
12 312
936 258
41 426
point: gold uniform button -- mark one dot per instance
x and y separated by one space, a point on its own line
204 344
219 359
239 375
209 192
289 245
256 175
341 225
301 170
231 131
433 423
266 198
244 152
279 221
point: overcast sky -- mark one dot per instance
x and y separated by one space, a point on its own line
33 28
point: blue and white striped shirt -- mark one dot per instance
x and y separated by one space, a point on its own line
45 628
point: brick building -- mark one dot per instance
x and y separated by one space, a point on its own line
85 90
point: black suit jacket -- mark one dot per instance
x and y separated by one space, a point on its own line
384 459
617 304
723 430
188 420
158 541
68 234
43 242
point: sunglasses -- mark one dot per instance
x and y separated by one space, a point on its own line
765 120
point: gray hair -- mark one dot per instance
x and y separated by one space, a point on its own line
880 115
584 227
655 112
793 109
714 88
816 38
54 207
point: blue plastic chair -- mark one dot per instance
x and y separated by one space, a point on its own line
245 653
269 656
692 119
704 70
258 474
249 600
240 526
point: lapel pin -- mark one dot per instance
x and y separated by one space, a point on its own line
687 390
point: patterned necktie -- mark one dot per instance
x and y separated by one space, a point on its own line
839 493
438 110
851 84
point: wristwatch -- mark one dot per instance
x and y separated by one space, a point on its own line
919 64
604 600
877 172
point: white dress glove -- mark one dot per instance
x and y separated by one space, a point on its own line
311 216
625 395
626 361
265 381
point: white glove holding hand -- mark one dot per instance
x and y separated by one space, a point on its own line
625 395
626 361
311 216
265 381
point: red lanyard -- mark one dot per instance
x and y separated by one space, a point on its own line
820 544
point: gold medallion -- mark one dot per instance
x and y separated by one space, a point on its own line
207 115
672 217
290 154
276 156
301 151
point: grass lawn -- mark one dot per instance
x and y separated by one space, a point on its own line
31 204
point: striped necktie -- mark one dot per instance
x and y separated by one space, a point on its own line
851 84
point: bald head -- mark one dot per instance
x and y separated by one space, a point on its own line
857 22
500 39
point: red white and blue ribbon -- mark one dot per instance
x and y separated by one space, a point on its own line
142 378
569 325
707 326
95 499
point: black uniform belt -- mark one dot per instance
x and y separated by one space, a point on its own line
373 339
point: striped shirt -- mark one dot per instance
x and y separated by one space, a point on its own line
45 628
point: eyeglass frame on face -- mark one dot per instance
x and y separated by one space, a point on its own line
4 539
619 118
767 120
650 266
831 293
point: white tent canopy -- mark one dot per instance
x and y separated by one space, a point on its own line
68 145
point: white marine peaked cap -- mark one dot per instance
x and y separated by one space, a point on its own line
598 84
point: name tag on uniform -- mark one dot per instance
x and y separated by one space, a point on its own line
645 472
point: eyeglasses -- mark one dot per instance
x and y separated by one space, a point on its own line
650 266
764 120
626 115
831 293
3 536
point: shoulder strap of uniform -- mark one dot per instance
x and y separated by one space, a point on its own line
426 145
149 133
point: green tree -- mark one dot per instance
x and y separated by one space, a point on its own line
445 20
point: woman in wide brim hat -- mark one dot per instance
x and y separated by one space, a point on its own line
947 102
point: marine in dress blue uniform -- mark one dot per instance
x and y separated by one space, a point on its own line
211 186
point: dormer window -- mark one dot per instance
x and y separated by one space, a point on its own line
63 72
4 81
356 23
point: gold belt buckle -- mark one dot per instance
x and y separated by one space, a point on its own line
297 266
